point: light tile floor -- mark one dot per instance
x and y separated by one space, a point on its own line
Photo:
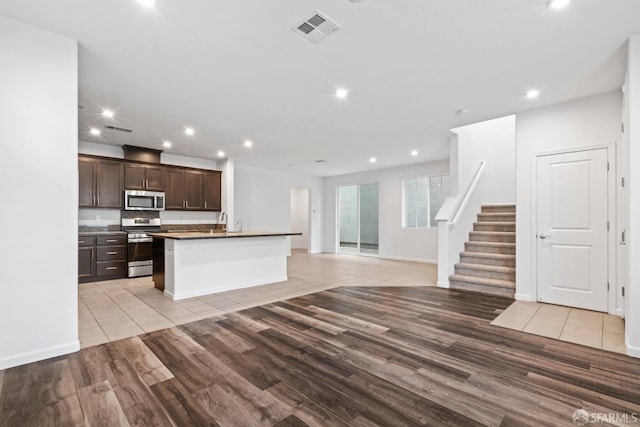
117 309
590 328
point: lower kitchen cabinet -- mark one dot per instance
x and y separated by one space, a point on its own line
102 257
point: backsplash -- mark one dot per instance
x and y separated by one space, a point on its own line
91 217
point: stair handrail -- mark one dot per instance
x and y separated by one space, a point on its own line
462 204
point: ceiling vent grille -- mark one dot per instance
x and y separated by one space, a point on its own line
118 129
317 28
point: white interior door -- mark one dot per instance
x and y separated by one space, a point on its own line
572 206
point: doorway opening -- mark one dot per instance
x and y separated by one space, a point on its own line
300 203
358 219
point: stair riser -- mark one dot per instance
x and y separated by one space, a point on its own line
470 247
492 238
501 209
503 292
511 277
496 218
488 261
510 228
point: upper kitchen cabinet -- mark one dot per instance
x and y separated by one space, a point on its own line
100 183
143 177
192 189
212 191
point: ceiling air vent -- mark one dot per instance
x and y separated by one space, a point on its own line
118 129
316 28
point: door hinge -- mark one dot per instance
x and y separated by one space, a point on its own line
607 225
608 286
623 291
607 166
622 126
622 181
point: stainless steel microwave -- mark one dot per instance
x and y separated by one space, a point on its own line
136 200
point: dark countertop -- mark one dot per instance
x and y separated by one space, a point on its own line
195 235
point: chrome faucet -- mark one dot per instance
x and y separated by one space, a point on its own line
223 217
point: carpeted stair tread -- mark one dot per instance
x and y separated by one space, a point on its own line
486 267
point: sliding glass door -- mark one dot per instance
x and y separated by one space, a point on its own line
358 219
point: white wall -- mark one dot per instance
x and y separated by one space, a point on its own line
88 216
588 122
262 200
38 160
300 217
395 241
633 137
493 141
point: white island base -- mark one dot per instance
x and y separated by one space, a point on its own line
202 266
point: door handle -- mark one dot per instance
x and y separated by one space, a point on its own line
545 236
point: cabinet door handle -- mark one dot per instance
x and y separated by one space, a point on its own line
112 268
186 204
80 241
205 204
112 253
111 240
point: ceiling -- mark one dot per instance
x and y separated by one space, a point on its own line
235 70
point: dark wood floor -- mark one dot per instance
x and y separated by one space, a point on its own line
349 356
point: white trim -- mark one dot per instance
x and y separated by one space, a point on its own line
444 284
631 350
524 297
400 258
34 356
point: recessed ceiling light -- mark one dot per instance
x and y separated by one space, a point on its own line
414 153
533 94
95 131
166 144
557 4
147 3
248 143
189 131
220 153
108 114
341 93
373 160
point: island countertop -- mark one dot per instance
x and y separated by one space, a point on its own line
195 235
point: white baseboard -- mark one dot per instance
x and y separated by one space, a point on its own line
399 258
35 356
524 297
444 284
632 351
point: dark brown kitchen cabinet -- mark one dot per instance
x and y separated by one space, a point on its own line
174 188
143 177
102 257
86 257
193 196
100 183
212 190
184 189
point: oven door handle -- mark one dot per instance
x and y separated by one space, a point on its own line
142 240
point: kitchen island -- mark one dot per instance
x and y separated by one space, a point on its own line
192 264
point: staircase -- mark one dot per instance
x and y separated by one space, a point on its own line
488 263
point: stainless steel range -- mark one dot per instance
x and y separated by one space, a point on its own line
140 245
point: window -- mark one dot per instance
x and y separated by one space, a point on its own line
422 199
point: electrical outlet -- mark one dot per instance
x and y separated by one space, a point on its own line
97 217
